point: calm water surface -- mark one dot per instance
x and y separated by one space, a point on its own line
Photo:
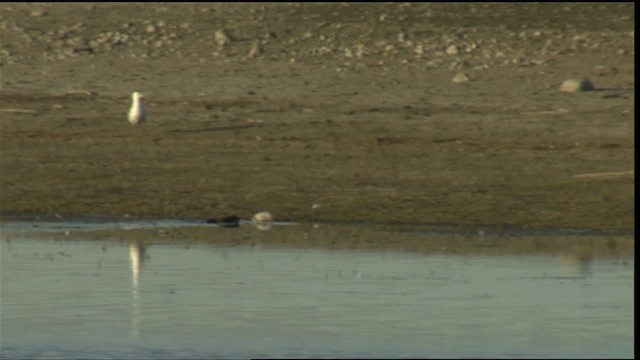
119 299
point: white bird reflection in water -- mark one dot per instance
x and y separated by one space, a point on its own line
137 256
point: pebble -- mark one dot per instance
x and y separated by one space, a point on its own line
576 85
452 50
263 220
460 78
221 38
38 13
256 50
459 65
263 216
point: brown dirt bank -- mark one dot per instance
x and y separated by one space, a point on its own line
349 106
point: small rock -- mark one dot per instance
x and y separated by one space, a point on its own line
576 85
459 65
38 13
263 220
221 38
263 217
256 50
452 50
460 78
359 50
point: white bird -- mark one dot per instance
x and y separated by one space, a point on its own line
137 114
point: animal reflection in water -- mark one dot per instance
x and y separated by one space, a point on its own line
137 257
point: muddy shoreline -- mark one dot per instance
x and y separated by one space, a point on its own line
349 107
579 245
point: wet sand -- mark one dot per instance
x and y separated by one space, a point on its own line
571 245
350 107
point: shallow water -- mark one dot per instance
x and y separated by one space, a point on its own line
121 299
